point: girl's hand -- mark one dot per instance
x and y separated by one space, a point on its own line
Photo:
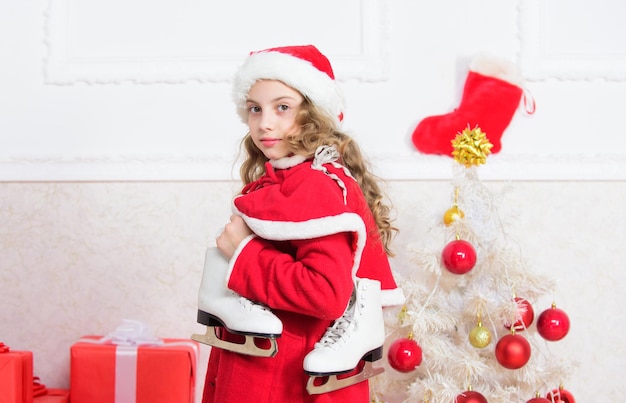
234 232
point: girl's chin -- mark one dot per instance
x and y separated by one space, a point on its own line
275 156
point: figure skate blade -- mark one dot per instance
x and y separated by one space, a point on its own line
334 383
248 347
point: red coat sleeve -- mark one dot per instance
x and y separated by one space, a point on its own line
310 277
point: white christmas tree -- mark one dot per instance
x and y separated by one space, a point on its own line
468 332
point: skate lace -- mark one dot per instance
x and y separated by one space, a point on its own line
341 329
334 334
249 305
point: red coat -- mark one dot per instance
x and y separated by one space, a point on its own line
313 233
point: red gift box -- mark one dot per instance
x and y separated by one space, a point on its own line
16 376
53 396
101 372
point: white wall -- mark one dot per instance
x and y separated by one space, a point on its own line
139 90
118 140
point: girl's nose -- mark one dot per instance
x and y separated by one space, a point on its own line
267 121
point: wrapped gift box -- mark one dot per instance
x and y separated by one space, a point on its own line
16 376
53 396
103 372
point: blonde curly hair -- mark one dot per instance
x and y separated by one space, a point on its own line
317 129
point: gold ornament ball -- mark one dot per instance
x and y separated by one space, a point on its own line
453 214
480 337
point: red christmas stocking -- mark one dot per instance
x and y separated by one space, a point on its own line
491 96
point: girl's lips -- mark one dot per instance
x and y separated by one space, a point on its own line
269 142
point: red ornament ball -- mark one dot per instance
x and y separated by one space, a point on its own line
526 315
553 324
459 256
470 396
561 395
538 400
404 355
513 351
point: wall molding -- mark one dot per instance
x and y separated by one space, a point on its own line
73 59
208 167
569 40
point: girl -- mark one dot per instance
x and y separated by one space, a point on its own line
309 219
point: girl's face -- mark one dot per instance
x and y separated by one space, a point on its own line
272 109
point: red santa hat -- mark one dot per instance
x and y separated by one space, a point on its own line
303 68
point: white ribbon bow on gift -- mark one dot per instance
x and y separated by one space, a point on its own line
131 333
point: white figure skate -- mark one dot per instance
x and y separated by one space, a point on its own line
358 335
219 307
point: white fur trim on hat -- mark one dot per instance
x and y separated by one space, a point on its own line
293 71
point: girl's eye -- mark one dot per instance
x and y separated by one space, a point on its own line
254 109
283 107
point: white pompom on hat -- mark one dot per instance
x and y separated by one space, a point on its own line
303 68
